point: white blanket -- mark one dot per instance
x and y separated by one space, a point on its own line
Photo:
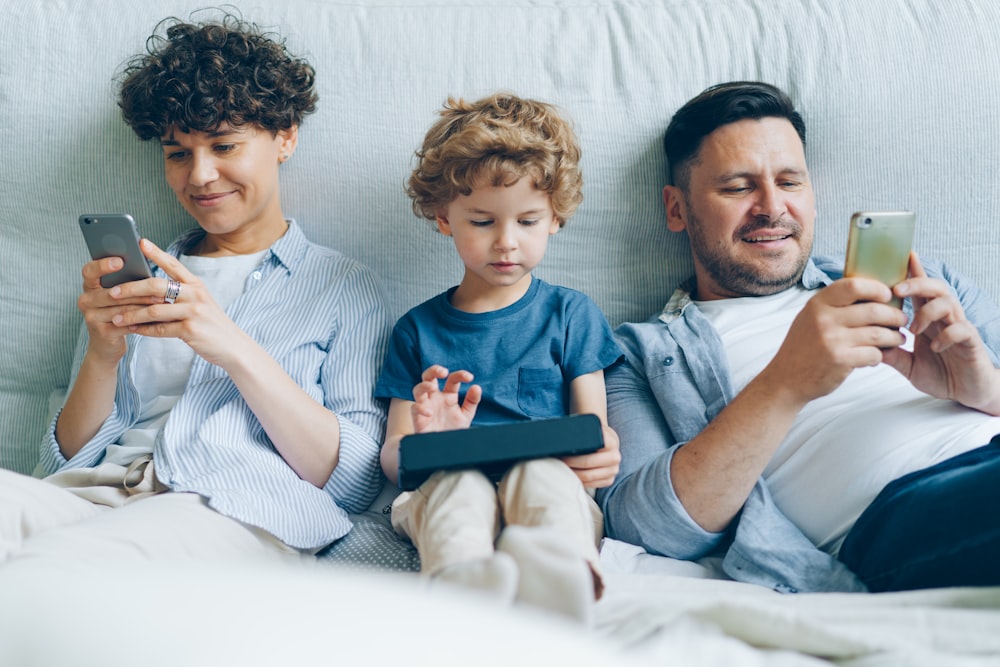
66 613
667 612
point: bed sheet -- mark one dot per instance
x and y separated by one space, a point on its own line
657 607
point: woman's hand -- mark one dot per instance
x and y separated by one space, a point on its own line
194 317
91 398
100 306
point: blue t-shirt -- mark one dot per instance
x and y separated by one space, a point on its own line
523 356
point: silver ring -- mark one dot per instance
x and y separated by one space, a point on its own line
173 291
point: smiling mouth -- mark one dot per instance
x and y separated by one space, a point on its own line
766 238
208 200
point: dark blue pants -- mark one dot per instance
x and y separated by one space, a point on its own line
934 527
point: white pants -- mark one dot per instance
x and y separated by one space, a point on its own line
38 519
457 516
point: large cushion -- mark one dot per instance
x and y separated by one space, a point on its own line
897 94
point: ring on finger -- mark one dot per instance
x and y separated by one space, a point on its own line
173 291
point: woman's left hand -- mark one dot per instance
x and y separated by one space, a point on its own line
193 316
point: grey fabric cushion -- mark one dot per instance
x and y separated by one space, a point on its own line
373 545
880 136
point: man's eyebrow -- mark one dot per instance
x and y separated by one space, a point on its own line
736 175
732 176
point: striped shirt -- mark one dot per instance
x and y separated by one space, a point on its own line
323 317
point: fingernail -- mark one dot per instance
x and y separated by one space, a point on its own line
117 319
116 291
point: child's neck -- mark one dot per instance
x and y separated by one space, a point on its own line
475 297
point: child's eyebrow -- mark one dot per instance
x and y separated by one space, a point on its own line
522 214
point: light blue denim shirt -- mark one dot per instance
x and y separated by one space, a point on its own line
322 317
673 382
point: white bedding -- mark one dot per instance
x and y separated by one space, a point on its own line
660 610
68 614
725 623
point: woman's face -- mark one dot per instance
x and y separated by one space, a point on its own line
228 181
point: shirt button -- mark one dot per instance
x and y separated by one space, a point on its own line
255 275
668 361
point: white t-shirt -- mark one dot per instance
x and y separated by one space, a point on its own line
164 364
844 447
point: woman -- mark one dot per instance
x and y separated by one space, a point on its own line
223 406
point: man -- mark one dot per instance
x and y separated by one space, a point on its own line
762 412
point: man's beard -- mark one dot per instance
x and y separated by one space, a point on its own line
745 279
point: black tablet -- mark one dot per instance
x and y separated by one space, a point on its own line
494 449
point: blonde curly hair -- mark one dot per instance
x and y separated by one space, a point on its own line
497 141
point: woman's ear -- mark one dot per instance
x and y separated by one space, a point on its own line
287 141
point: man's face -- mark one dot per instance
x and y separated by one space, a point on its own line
748 209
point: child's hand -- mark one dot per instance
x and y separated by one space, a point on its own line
598 470
435 409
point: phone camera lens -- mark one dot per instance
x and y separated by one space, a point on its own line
867 222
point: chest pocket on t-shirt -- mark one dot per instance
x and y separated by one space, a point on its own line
540 392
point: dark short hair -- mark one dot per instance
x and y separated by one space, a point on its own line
720 105
198 76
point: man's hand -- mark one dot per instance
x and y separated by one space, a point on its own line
846 325
436 409
949 359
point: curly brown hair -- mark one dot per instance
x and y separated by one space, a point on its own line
199 76
496 141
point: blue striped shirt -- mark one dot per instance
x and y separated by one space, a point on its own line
323 317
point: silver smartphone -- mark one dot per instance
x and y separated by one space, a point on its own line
115 235
878 246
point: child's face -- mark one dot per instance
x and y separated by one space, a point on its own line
501 234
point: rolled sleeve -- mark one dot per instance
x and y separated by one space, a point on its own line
52 459
348 377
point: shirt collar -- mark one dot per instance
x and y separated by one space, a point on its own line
812 278
289 250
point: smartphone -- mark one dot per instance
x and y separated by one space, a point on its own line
878 246
115 235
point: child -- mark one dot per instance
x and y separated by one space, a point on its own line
500 176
